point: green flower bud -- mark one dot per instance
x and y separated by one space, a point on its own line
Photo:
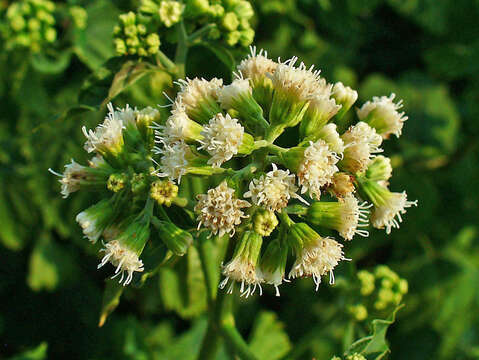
130 30
264 222
359 312
247 37
128 19
230 21
196 8
379 169
403 286
355 356
120 46
216 10
232 38
367 282
170 12
177 240
214 34
116 182
164 192
79 16
244 10
344 96
139 183
50 35
17 23
34 25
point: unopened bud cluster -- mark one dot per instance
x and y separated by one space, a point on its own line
272 202
29 24
227 21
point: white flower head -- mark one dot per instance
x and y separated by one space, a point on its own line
317 168
125 260
90 226
174 160
382 114
388 214
178 127
243 271
353 216
194 91
273 190
219 210
344 94
331 136
229 93
257 65
317 258
300 82
71 178
107 137
222 138
362 142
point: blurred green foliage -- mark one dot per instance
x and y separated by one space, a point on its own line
425 51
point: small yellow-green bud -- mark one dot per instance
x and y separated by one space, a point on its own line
138 183
51 35
403 286
359 312
230 21
120 46
246 37
232 38
17 23
244 10
128 18
79 16
214 34
387 283
367 282
153 41
197 7
170 12
356 356
130 30
34 25
216 10
141 29
116 182
163 192
264 222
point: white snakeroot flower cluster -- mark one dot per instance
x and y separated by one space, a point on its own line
382 114
274 155
219 210
317 168
389 214
273 190
222 138
124 259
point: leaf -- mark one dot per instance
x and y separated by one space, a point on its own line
8 236
38 353
268 339
130 72
50 265
222 53
111 299
94 44
375 344
182 288
51 65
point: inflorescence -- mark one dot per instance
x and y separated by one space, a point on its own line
273 201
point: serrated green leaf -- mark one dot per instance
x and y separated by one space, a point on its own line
269 339
375 345
111 299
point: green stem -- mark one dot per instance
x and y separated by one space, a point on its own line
163 60
199 33
181 51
